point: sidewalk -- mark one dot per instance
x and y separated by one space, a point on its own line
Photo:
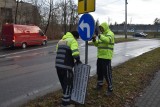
151 94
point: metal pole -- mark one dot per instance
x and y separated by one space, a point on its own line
65 18
15 20
126 19
86 52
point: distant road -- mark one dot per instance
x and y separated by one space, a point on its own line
123 36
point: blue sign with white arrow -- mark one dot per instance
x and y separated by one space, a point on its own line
86 27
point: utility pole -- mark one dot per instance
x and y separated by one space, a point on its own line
15 20
65 29
126 19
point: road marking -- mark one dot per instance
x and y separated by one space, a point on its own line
2 56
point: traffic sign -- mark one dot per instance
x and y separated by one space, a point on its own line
85 6
80 81
86 27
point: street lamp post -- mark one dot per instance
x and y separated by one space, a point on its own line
126 19
15 20
65 29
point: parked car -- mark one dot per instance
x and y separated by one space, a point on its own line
14 35
140 34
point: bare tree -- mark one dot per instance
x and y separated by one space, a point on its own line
73 14
36 11
157 24
54 27
156 21
57 17
49 15
69 14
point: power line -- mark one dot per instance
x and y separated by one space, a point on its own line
114 1
111 3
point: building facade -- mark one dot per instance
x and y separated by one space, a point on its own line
26 13
7 11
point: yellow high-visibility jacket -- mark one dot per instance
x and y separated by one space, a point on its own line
105 44
67 50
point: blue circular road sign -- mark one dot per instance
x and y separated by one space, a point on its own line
86 27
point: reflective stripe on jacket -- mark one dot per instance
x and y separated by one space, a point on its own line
105 44
67 49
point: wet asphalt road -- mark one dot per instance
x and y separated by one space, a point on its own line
25 74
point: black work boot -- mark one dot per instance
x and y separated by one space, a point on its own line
98 87
109 93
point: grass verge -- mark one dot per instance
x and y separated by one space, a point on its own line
153 37
129 79
118 40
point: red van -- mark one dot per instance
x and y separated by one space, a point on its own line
14 35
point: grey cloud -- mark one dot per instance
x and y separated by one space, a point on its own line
103 11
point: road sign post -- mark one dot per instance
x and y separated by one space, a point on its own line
86 27
86 52
85 6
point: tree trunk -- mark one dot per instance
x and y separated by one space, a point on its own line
49 16
16 12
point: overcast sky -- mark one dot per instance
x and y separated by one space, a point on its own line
139 11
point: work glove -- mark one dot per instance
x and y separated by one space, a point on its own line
78 61
96 32
99 36
94 38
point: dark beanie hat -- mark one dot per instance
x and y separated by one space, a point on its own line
75 34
